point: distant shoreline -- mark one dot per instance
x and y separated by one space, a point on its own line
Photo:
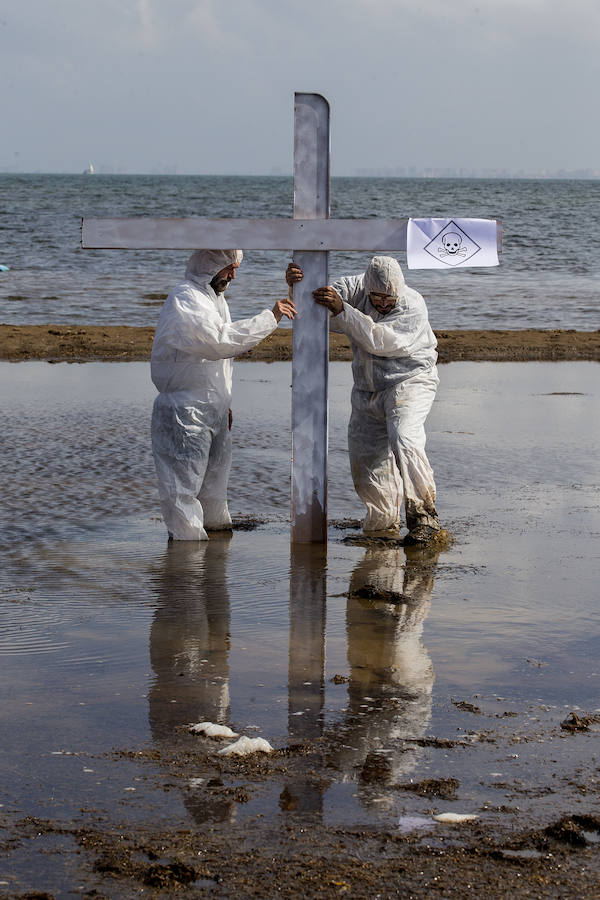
424 175
126 343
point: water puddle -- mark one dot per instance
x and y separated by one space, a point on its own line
522 854
392 683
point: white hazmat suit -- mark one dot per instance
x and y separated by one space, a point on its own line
395 381
191 365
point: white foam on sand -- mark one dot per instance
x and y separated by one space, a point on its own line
245 746
210 729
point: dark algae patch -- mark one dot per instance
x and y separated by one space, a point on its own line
443 788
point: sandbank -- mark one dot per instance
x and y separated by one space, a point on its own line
110 343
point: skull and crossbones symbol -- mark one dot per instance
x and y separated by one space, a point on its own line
452 245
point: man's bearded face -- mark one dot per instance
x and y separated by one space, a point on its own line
221 280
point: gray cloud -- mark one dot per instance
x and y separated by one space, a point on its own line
207 86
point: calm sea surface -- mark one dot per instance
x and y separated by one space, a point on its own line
549 275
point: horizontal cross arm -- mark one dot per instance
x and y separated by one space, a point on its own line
247 234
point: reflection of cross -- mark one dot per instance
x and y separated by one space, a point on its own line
311 233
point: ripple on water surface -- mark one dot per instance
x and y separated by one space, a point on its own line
29 627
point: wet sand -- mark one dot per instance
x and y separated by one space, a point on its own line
230 852
400 684
81 343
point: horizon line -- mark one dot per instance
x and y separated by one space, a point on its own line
558 175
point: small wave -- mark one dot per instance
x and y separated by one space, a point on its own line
29 629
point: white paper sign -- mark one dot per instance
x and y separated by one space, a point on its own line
451 243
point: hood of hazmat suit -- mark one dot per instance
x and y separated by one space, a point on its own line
384 276
387 348
192 367
204 264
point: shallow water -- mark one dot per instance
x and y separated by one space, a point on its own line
109 637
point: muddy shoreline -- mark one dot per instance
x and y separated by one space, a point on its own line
507 850
111 343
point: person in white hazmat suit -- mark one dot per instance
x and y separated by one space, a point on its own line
395 381
191 366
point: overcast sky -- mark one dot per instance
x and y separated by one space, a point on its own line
207 86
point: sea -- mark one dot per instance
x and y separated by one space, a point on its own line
548 277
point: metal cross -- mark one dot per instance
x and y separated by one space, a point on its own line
311 234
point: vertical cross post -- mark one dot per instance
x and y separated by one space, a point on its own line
311 328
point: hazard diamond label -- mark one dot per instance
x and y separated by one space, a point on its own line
452 246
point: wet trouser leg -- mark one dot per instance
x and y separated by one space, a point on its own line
187 465
374 471
213 493
386 441
407 405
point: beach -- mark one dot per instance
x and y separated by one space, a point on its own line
110 343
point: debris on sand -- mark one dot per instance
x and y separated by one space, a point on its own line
567 831
245 746
574 832
467 707
247 523
168 875
450 818
372 540
373 592
211 729
442 539
445 788
342 524
573 722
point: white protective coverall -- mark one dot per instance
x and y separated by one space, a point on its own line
395 381
191 365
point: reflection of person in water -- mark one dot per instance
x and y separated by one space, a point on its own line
189 651
391 675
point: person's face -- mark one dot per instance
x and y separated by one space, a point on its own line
223 277
383 303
